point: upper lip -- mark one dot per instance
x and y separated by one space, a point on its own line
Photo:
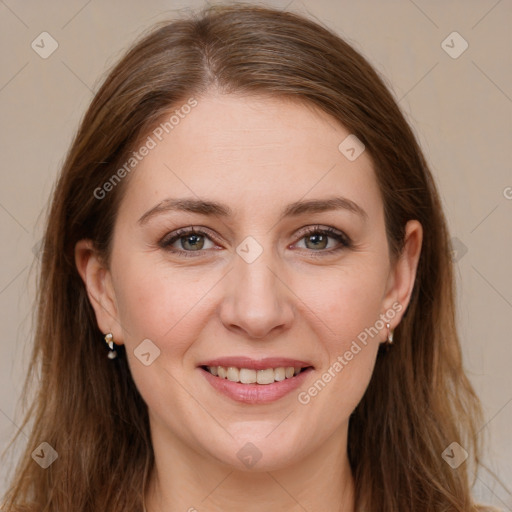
255 364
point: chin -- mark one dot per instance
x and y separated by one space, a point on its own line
258 455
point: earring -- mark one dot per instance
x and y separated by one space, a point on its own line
389 341
109 339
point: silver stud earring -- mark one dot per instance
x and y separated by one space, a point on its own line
109 340
389 340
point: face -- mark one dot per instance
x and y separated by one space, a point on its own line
288 269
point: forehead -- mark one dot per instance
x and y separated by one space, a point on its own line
246 151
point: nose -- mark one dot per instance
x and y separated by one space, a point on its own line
256 301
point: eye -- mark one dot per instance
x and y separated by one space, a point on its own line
190 240
186 241
316 238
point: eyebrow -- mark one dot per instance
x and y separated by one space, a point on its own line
215 209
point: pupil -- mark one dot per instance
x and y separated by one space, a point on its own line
194 239
318 238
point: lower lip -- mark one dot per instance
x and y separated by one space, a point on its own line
255 393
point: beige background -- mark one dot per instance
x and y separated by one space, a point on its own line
460 108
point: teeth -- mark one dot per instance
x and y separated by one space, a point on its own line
280 374
265 376
233 374
248 376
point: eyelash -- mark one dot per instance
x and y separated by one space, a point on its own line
344 241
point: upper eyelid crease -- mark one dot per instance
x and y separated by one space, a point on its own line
212 208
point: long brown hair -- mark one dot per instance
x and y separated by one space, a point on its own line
87 407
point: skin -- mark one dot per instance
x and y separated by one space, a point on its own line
256 155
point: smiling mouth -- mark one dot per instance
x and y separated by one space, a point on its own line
251 376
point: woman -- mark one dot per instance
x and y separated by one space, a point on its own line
246 297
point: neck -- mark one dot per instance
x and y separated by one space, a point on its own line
184 480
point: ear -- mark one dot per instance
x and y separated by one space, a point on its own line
403 274
98 283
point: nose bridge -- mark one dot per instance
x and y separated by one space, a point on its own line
257 301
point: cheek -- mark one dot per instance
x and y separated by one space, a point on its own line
347 305
347 300
160 303
166 306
